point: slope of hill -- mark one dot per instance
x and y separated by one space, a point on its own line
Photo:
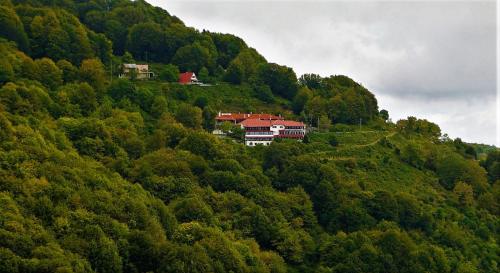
100 174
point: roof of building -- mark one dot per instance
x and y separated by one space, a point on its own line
256 123
288 123
130 65
238 116
250 122
186 77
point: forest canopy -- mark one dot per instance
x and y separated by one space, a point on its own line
101 174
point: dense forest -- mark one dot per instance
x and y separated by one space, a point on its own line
101 174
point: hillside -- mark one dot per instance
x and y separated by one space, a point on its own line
101 174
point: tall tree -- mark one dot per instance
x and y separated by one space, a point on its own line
92 71
146 42
281 79
192 57
48 73
12 28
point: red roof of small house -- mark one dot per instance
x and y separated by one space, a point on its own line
256 123
288 123
185 77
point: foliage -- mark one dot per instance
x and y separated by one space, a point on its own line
12 28
281 79
121 176
92 71
492 165
338 97
189 116
48 73
169 73
193 57
384 114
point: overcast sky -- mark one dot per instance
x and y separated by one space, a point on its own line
434 60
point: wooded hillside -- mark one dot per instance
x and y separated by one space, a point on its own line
100 174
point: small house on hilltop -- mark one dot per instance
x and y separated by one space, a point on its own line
188 78
141 71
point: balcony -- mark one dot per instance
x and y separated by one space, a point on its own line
258 133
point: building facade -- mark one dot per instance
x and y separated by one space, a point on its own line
263 132
141 71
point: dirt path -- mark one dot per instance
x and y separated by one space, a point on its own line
355 147
374 142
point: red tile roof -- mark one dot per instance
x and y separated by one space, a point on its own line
185 77
267 123
287 123
256 123
240 117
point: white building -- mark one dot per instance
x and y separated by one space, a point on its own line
141 71
263 132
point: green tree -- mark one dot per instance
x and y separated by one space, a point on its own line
193 209
6 130
169 73
244 67
234 73
121 88
413 154
201 102
178 36
48 73
92 71
452 168
464 194
324 124
101 46
281 79
117 33
6 71
301 99
200 144
82 95
192 57
189 116
27 68
209 118
55 33
159 106
12 28
333 141
311 81
146 42
9 261
69 71
264 93
383 206
492 165
203 75
384 114
228 47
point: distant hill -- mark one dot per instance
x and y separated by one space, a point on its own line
101 174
